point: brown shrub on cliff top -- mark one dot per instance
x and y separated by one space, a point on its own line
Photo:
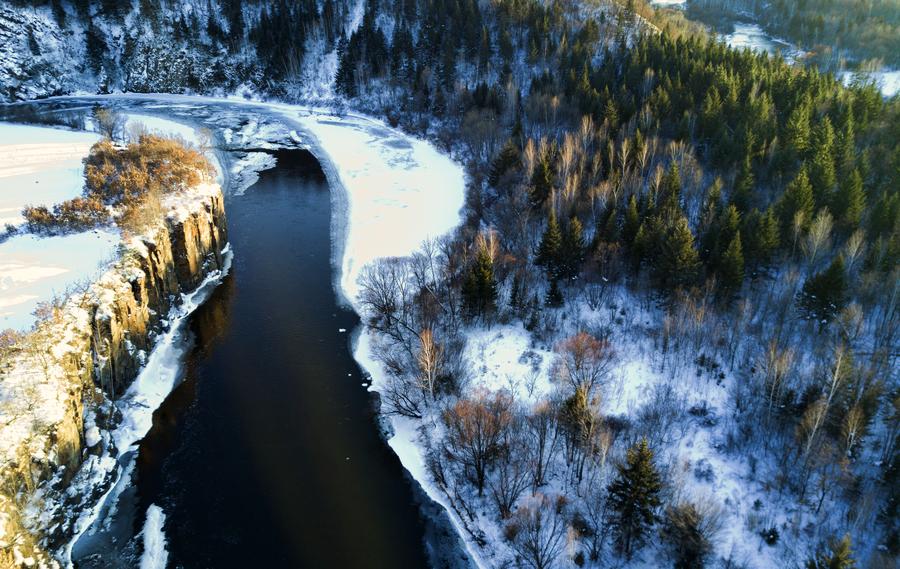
152 165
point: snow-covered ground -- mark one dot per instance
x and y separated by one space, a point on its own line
43 166
39 166
34 269
401 190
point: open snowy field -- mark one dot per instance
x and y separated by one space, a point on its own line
39 166
43 166
35 269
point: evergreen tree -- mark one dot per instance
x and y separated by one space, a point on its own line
677 261
506 161
824 295
797 132
797 199
822 174
95 47
762 237
632 221
480 288
345 79
731 266
634 497
742 196
573 249
554 295
850 201
542 180
550 250
839 555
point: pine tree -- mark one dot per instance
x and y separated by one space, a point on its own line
762 238
573 249
797 132
480 288
506 161
554 295
731 266
634 497
677 261
839 555
742 197
797 199
632 221
541 181
850 201
550 251
822 174
824 295
344 79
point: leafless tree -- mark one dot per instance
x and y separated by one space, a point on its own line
540 427
584 361
109 122
475 426
537 531
431 355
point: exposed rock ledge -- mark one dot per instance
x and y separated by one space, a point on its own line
65 374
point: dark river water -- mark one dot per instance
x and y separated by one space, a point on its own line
268 455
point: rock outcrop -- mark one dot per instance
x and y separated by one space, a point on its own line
85 355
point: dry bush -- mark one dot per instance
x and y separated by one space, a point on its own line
153 164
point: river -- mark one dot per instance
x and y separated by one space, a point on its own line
269 451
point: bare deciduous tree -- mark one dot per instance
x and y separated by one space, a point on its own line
537 531
584 361
475 426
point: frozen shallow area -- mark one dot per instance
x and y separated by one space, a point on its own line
35 269
401 190
39 166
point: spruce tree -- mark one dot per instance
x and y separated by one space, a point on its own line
742 196
550 251
632 221
541 181
822 174
824 295
761 238
676 262
573 249
838 555
507 160
797 132
554 295
480 288
850 201
797 198
731 266
634 497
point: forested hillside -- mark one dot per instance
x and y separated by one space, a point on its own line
715 232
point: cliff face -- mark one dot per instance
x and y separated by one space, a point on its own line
97 339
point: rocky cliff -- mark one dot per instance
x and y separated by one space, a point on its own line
80 359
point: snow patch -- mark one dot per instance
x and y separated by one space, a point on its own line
155 555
